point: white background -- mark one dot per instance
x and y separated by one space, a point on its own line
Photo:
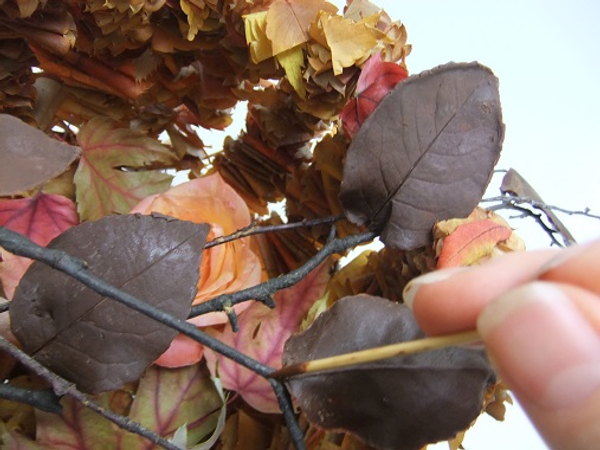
547 57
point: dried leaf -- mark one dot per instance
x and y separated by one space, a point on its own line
288 21
41 218
258 43
473 240
470 242
349 42
377 79
425 154
165 401
292 61
262 334
112 175
401 403
168 399
28 157
96 342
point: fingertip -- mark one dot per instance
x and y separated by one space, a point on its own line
410 290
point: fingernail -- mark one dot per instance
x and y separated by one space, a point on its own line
410 290
545 350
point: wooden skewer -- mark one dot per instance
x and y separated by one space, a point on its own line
377 354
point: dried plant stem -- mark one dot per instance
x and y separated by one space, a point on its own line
377 354
254 228
264 290
540 205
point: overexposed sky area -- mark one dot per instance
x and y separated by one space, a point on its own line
547 57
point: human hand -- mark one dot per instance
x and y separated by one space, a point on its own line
538 314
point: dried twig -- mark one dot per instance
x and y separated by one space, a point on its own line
254 228
45 399
506 199
264 290
538 217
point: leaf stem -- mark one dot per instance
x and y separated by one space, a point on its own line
377 354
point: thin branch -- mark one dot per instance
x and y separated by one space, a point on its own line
45 399
263 290
540 205
285 404
525 212
4 304
62 387
378 353
253 229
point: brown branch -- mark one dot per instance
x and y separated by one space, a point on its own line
254 228
263 291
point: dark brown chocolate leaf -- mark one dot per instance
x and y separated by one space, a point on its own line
425 154
28 157
514 184
398 403
94 341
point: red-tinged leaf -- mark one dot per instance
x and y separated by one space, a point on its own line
165 400
376 80
262 334
470 242
41 218
112 176
28 157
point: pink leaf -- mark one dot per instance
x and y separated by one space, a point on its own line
262 334
41 218
470 242
376 80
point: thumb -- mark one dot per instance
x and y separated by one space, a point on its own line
546 347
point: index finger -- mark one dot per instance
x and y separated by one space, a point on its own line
449 301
